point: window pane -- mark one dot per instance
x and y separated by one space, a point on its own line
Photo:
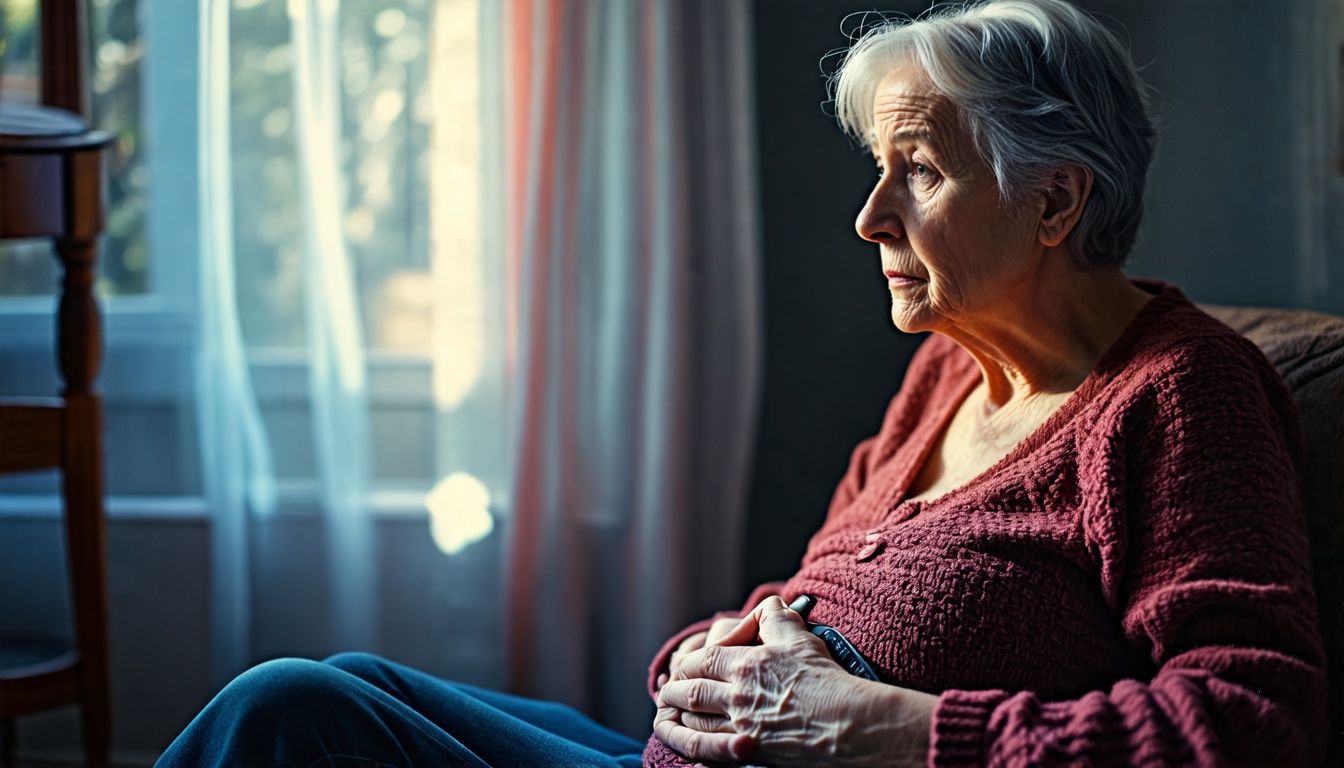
382 77
25 267
387 131
18 50
266 206
116 62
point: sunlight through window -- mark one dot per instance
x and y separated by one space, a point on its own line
459 512
454 195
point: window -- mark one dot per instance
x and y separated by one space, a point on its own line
386 105
397 156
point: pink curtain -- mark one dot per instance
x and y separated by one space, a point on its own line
629 234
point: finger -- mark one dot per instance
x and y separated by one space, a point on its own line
776 621
697 695
720 628
689 645
666 713
662 680
698 721
714 662
697 745
693 643
744 633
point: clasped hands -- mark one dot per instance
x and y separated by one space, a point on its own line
764 689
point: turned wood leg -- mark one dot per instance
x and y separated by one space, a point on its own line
79 338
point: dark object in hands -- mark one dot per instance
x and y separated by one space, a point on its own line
843 651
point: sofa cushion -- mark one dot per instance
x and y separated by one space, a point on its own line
1307 348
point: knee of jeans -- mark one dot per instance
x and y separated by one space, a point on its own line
357 663
282 685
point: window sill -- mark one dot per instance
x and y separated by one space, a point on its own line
297 500
137 321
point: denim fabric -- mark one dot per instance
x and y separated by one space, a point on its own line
360 710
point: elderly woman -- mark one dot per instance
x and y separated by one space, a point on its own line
1075 539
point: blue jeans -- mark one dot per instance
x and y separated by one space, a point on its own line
357 709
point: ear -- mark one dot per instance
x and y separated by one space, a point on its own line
1064 200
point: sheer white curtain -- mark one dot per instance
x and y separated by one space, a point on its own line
238 473
587 243
337 381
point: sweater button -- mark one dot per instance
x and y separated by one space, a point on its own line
873 544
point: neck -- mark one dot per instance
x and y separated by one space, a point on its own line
1045 334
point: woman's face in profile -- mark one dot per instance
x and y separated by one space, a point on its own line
952 252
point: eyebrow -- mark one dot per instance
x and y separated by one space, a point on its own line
905 134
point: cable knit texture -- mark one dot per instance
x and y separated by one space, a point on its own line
1128 586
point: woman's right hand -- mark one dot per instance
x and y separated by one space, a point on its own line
699 640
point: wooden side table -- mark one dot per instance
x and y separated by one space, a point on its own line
51 186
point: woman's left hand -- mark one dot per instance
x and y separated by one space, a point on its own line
786 702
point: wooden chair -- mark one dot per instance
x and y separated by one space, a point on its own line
51 185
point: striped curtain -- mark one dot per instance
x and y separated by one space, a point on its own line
627 222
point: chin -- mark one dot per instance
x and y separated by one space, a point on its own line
909 319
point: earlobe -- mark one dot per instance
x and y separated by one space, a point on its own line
1070 187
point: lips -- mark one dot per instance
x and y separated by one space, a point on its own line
896 276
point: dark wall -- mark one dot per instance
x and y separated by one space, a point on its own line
832 357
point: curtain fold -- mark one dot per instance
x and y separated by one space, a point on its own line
337 383
237 475
633 266
237 467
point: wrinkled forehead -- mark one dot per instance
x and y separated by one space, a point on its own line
907 107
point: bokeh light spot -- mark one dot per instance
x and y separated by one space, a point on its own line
459 512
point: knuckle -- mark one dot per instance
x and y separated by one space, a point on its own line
695 695
678 665
711 656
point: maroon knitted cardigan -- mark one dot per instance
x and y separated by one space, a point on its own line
1128 586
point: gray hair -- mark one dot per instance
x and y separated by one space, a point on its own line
1038 84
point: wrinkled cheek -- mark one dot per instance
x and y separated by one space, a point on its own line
944 297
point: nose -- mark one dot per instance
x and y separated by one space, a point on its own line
878 222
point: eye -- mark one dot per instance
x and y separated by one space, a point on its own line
922 176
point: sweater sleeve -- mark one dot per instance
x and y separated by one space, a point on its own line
1205 562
